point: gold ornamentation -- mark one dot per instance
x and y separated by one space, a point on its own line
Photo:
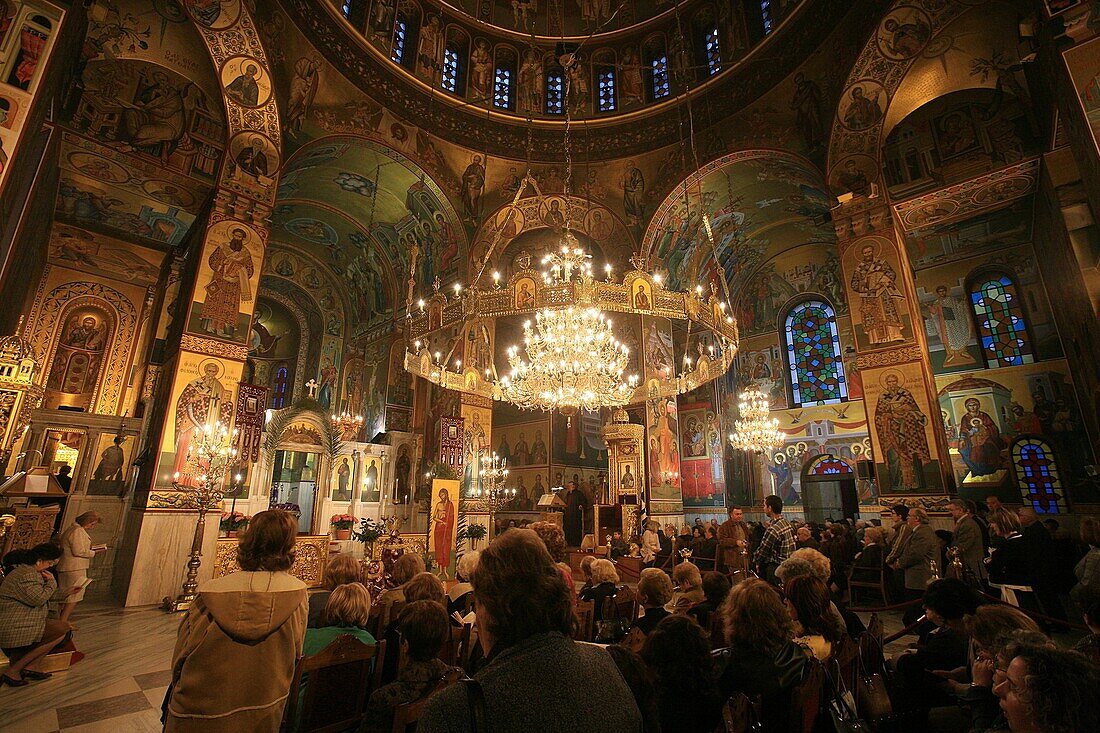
213 347
310 555
889 357
967 199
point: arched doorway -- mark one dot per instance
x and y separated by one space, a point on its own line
829 489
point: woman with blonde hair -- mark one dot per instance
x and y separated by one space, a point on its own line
1009 564
341 569
689 587
76 558
604 578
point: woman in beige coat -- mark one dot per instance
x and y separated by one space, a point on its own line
237 645
76 558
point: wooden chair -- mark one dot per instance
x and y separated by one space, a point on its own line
406 716
878 584
454 649
340 681
585 614
624 605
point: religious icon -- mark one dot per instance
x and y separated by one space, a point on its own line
880 300
443 530
900 425
525 294
641 298
245 82
951 320
232 268
627 479
860 111
79 356
204 400
343 481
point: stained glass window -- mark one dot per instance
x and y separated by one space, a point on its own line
829 465
1000 319
813 355
450 70
660 77
397 54
1038 475
766 15
606 86
714 54
555 93
502 89
278 394
346 8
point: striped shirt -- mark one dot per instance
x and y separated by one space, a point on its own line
777 544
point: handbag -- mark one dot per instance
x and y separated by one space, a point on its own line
841 707
872 697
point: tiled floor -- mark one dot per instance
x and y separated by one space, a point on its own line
117 688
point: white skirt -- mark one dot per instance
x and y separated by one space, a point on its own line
66 579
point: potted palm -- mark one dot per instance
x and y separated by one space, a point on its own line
341 525
475 533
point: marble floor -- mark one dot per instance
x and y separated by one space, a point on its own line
117 688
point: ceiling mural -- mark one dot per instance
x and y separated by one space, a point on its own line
759 203
363 209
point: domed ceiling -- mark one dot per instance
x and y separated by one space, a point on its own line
503 77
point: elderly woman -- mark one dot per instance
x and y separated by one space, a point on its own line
458 597
554 538
340 570
869 561
1047 689
76 557
405 568
524 619
26 635
677 653
238 626
689 587
604 578
651 542
1088 569
654 591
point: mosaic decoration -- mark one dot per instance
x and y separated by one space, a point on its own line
1000 320
829 465
1040 481
249 420
814 355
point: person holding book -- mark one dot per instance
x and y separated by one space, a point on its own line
77 552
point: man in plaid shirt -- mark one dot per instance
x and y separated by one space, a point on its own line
778 542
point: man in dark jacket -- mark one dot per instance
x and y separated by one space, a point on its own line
1042 557
968 540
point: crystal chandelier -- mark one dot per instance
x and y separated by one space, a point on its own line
755 431
573 360
346 424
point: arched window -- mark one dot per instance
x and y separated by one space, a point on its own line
606 92
555 92
766 15
345 8
400 36
829 465
1000 319
504 79
450 70
1037 474
655 68
712 51
813 355
279 388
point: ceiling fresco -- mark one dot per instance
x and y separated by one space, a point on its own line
760 204
362 208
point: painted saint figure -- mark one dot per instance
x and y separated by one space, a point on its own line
201 401
443 523
980 441
876 282
302 90
343 477
900 424
110 462
229 286
473 184
79 356
952 323
244 89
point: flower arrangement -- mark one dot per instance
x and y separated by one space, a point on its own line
369 531
342 521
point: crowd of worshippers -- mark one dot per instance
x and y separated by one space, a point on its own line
516 644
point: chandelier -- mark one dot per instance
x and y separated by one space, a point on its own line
573 360
755 431
492 492
346 423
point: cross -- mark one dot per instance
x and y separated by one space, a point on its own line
311 387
